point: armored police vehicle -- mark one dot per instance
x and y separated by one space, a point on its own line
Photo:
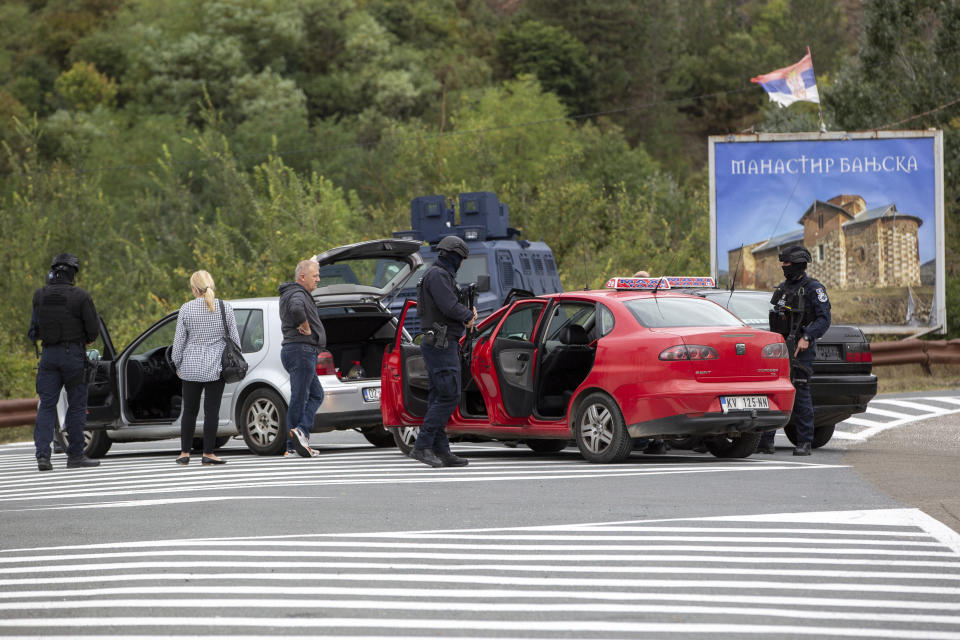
500 261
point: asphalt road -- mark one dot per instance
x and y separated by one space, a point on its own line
859 540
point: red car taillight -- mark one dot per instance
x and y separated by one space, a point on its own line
325 366
775 350
689 352
859 353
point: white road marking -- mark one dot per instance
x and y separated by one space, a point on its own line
157 502
888 573
909 404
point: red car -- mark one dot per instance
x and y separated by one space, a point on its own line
605 367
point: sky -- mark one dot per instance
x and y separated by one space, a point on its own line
769 202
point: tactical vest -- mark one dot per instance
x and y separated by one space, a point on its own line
59 318
426 308
790 312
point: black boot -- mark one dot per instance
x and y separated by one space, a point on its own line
766 447
43 464
656 448
803 449
426 456
449 459
81 462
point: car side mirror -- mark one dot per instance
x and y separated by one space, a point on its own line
483 282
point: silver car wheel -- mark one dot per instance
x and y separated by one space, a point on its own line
263 421
596 427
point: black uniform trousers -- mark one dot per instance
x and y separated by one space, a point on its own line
61 366
443 367
802 417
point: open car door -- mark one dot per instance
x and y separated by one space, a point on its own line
404 384
514 357
103 406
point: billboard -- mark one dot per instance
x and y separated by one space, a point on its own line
867 205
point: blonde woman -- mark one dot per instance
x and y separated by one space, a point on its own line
197 350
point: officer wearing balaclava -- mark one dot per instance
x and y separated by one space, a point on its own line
65 321
801 314
445 319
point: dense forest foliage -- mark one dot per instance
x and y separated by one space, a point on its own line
155 137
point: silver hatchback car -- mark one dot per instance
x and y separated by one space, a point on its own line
136 394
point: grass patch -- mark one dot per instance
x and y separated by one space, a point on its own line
901 378
876 306
16 434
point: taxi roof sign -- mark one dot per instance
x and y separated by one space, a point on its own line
664 282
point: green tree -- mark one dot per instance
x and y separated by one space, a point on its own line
83 87
558 60
907 69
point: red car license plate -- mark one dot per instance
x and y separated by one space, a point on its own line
743 403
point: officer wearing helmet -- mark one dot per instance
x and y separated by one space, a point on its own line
64 320
445 320
801 314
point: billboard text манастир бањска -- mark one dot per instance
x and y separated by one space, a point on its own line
868 206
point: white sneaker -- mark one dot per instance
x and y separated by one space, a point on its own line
301 442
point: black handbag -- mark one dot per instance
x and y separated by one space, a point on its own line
232 362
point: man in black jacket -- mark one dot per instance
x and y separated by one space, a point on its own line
303 339
445 320
65 321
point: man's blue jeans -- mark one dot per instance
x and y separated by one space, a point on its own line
306 393
60 364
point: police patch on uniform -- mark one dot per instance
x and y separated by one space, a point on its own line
821 294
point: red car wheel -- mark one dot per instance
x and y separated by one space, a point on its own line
601 433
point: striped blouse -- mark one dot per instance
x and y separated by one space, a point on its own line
198 345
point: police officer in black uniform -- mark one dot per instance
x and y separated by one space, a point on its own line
445 320
65 320
801 314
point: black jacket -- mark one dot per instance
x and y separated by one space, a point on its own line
438 300
297 305
63 314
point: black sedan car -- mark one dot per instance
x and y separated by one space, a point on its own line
842 383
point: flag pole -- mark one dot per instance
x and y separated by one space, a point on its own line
823 127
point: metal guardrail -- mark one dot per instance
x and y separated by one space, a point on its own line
16 413
913 351
23 412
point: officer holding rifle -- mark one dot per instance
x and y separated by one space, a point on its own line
445 317
801 314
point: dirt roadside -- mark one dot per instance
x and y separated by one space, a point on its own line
917 464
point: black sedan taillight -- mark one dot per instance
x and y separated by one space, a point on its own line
858 352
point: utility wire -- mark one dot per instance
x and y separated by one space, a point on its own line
920 115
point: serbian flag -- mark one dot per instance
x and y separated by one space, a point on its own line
791 84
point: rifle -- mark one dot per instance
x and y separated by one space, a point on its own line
799 372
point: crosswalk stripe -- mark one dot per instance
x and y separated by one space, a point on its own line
872 574
481 607
907 404
562 626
